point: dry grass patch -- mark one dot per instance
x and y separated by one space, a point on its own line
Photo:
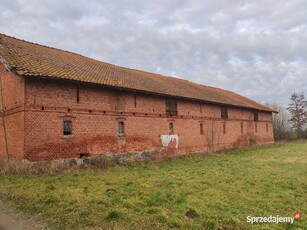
219 191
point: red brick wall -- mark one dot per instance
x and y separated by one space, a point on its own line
13 105
95 122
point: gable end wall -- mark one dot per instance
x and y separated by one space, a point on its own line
12 115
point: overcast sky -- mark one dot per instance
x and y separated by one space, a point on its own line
255 48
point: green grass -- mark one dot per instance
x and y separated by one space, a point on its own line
222 189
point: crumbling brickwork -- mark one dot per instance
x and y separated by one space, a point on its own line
35 111
12 113
95 112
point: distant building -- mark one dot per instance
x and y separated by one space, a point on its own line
57 104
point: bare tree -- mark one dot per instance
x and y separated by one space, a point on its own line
281 124
298 112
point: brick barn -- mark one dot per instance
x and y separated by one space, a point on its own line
57 104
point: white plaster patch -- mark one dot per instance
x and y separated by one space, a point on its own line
167 139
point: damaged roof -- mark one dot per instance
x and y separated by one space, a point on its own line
34 60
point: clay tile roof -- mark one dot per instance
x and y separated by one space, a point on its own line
34 60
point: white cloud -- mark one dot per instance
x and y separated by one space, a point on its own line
255 48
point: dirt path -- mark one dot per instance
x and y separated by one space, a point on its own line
13 220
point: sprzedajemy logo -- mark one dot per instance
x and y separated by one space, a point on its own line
273 219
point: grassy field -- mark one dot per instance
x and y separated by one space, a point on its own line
218 191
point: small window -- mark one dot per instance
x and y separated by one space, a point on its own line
171 108
242 128
200 108
171 128
224 128
224 113
121 128
256 127
256 116
67 128
201 128
267 127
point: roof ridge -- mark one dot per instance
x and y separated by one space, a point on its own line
58 49
122 67
80 55
20 53
34 43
